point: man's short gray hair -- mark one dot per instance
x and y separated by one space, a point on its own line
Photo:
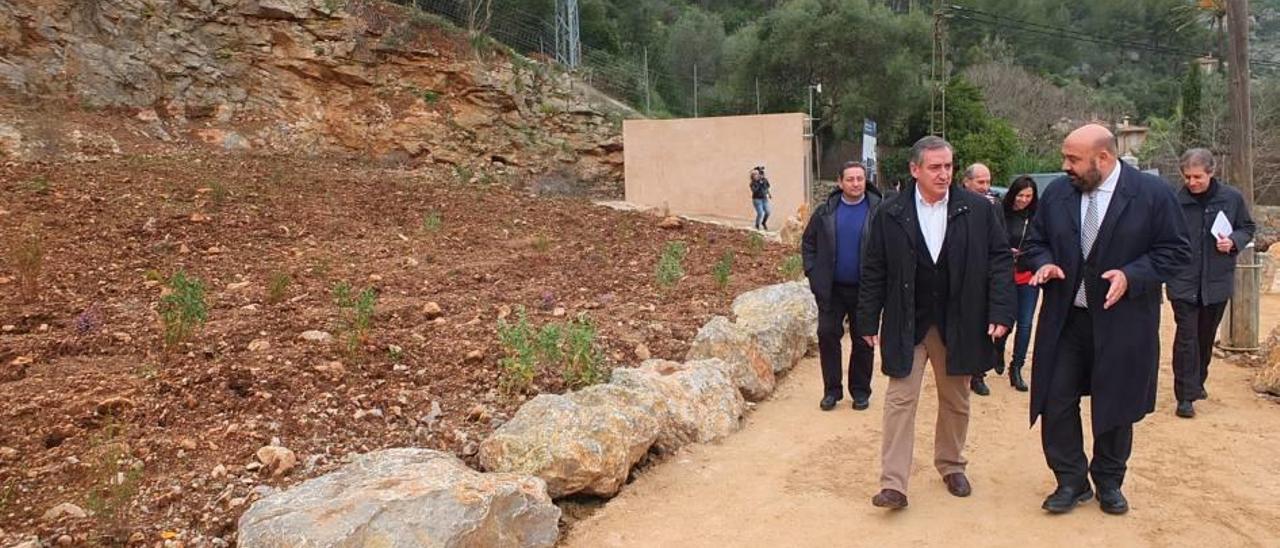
928 142
1197 157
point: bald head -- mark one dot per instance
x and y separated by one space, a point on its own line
1088 155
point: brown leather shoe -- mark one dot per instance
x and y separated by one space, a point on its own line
888 498
957 484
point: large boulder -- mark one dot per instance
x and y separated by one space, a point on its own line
699 401
746 363
583 442
403 498
783 318
1268 379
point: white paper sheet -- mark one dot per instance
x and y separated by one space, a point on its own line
1221 226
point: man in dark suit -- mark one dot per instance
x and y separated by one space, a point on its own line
1103 240
1200 293
938 267
832 249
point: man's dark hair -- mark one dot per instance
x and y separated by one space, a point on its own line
1197 157
852 164
928 142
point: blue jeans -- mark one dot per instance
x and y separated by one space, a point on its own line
762 211
1027 297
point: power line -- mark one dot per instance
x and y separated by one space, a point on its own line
1005 22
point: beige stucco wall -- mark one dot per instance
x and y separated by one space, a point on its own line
700 166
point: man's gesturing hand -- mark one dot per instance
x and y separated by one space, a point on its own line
1046 273
1119 285
873 340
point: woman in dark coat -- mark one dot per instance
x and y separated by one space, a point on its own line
1019 206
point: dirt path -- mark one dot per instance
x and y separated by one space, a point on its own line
796 476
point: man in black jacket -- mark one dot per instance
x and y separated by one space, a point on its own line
1199 294
977 179
832 249
938 268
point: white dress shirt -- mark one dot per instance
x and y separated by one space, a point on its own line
933 222
1104 191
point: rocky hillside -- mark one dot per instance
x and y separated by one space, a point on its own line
80 79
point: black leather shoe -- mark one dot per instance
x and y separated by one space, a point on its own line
1186 409
828 403
1000 366
979 386
888 498
1064 499
1112 501
1015 378
1204 395
861 403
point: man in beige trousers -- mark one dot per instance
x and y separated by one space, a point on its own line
938 268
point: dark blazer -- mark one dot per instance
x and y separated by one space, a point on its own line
1144 235
1212 279
818 245
980 282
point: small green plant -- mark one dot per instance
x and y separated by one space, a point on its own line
395 354
755 243
547 109
147 371
431 221
6 495
793 267
116 480
462 173
39 185
519 360
152 275
670 264
723 269
219 193
333 6
541 243
430 96
584 362
28 259
277 287
548 342
355 311
183 310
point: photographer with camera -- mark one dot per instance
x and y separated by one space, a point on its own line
760 197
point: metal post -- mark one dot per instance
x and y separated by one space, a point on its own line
757 95
647 110
695 90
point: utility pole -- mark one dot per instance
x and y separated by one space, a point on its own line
757 95
695 90
1243 328
647 110
938 73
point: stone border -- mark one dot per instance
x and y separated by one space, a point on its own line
556 445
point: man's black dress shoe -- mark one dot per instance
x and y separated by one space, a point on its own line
1186 409
979 386
861 402
1112 501
1064 499
828 403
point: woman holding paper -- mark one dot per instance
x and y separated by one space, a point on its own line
1219 225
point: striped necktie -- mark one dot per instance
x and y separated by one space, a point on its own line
1088 233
